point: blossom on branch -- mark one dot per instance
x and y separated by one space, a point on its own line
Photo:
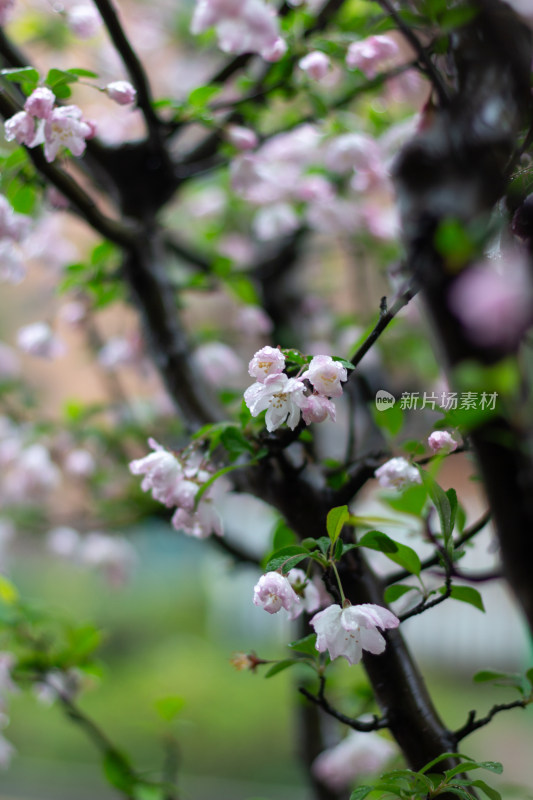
315 64
358 754
326 375
370 55
267 361
242 26
442 442
273 592
280 396
348 631
162 473
122 92
397 473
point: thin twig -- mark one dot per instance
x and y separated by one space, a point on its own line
472 724
376 724
420 50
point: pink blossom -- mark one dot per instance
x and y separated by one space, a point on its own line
243 26
219 363
317 408
12 225
397 473
315 64
356 755
80 463
113 554
314 187
275 51
326 375
38 339
253 321
122 92
200 523
442 442
63 541
348 631
119 351
40 103
56 199
162 472
12 267
369 55
21 128
274 221
280 396
65 128
32 475
308 593
5 10
9 363
382 220
493 300
242 138
356 151
84 21
267 361
336 215
274 592
73 312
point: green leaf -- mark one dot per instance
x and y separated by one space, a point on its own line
492 766
305 645
488 675
82 73
335 521
281 666
168 708
118 771
286 558
451 494
466 594
235 442
201 96
8 593
346 364
58 77
21 75
457 17
401 554
491 793
411 501
361 792
393 593
442 757
441 502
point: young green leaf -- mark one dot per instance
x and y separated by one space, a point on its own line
168 708
466 594
441 502
393 593
21 75
491 793
281 666
401 554
305 645
336 519
287 558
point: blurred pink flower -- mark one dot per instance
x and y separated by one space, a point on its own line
397 473
219 363
5 10
122 92
40 103
370 55
38 339
253 321
274 221
315 64
442 442
84 21
307 591
242 138
358 754
162 472
9 362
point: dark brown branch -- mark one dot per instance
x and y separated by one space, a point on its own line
376 724
472 724
133 65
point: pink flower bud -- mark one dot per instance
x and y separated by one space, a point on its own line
242 138
122 92
21 128
370 54
273 592
275 52
442 442
84 21
397 473
315 64
40 103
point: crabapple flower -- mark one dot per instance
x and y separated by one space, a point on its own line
273 221
38 339
274 52
64 542
315 64
242 26
200 523
40 103
12 266
219 363
267 361
397 473
442 442
162 472
348 631
280 396
308 593
12 225
317 408
253 321
9 363
273 592
242 138
326 375
80 463
21 128
113 554
65 128
370 54
358 754
122 92
84 21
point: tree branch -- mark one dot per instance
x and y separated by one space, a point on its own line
472 724
376 724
